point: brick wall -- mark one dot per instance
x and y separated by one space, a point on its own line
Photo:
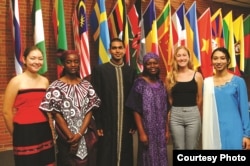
25 7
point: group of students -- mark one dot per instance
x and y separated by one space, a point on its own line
94 121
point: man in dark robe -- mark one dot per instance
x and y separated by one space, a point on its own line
115 123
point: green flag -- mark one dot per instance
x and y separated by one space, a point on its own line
247 43
59 31
39 33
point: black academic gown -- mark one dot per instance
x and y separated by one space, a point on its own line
112 85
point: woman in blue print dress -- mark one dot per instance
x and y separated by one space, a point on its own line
226 122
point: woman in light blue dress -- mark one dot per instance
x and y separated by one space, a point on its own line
226 122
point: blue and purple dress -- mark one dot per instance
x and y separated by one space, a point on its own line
150 101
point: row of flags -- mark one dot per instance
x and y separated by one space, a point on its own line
143 32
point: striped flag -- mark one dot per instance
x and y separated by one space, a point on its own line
81 37
165 35
205 41
39 33
247 44
150 28
99 26
217 30
141 33
117 22
15 23
193 35
178 27
229 37
59 31
126 35
239 44
134 38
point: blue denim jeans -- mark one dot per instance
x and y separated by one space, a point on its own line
185 127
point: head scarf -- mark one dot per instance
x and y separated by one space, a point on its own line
150 55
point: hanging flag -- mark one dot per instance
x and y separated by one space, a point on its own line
178 27
118 28
59 31
229 37
205 42
16 33
239 44
39 33
134 38
133 19
165 35
142 41
150 28
247 44
217 30
99 26
115 21
81 40
192 35
126 35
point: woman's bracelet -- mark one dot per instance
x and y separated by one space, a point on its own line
79 133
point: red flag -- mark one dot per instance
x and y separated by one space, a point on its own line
134 38
81 37
204 28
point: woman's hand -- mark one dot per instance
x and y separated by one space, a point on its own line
74 141
144 139
246 143
167 135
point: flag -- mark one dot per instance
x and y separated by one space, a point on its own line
115 21
229 37
239 44
16 33
118 28
205 41
99 26
164 35
39 33
178 27
81 40
247 44
134 38
126 36
150 28
217 30
192 35
142 43
59 31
